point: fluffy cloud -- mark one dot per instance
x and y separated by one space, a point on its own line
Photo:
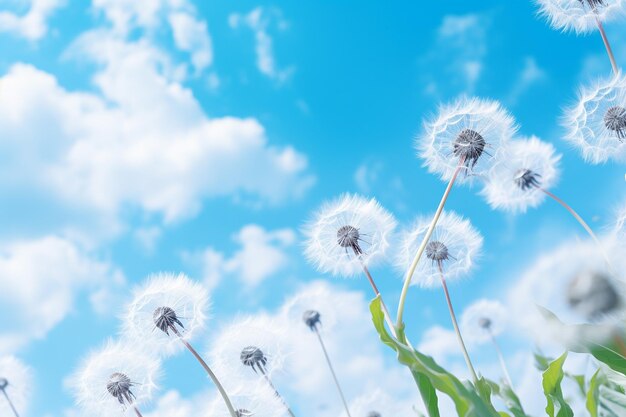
258 21
39 280
262 254
458 51
20 385
530 75
191 35
142 140
33 25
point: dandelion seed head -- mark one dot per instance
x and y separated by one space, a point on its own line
593 295
437 251
374 414
378 403
119 386
255 343
166 306
312 319
454 241
579 16
242 412
482 320
250 400
470 131
514 183
596 123
16 380
115 378
347 232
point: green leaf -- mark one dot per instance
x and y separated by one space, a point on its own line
552 377
428 392
466 400
510 399
606 397
594 393
542 362
586 341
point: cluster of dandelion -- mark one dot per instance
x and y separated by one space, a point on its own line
469 141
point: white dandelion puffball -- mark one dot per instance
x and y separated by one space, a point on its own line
165 305
596 124
347 232
471 130
454 245
16 380
115 379
247 349
580 16
483 320
572 281
258 401
514 183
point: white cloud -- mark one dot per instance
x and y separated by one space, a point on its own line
142 140
258 20
530 75
262 254
191 35
39 280
33 25
440 343
459 52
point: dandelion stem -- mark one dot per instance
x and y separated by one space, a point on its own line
271 384
208 370
377 292
505 370
584 225
456 325
10 402
137 411
607 45
332 371
422 247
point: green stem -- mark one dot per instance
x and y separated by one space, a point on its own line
585 226
377 292
422 247
456 326
208 370
332 371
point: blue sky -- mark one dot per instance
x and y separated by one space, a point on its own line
107 175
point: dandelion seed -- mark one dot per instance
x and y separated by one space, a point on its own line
251 344
484 321
114 379
451 252
468 134
156 315
580 16
312 320
347 236
15 381
596 124
515 183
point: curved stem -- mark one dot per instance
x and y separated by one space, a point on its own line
208 370
332 371
271 384
422 247
382 302
137 411
584 225
10 402
456 326
607 45
505 370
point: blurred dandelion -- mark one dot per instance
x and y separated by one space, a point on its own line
115 378
466 135
347 235
167 310
583 16
378 403
251 346
258 401
15 381
596 124
483 321
312 319
451 250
